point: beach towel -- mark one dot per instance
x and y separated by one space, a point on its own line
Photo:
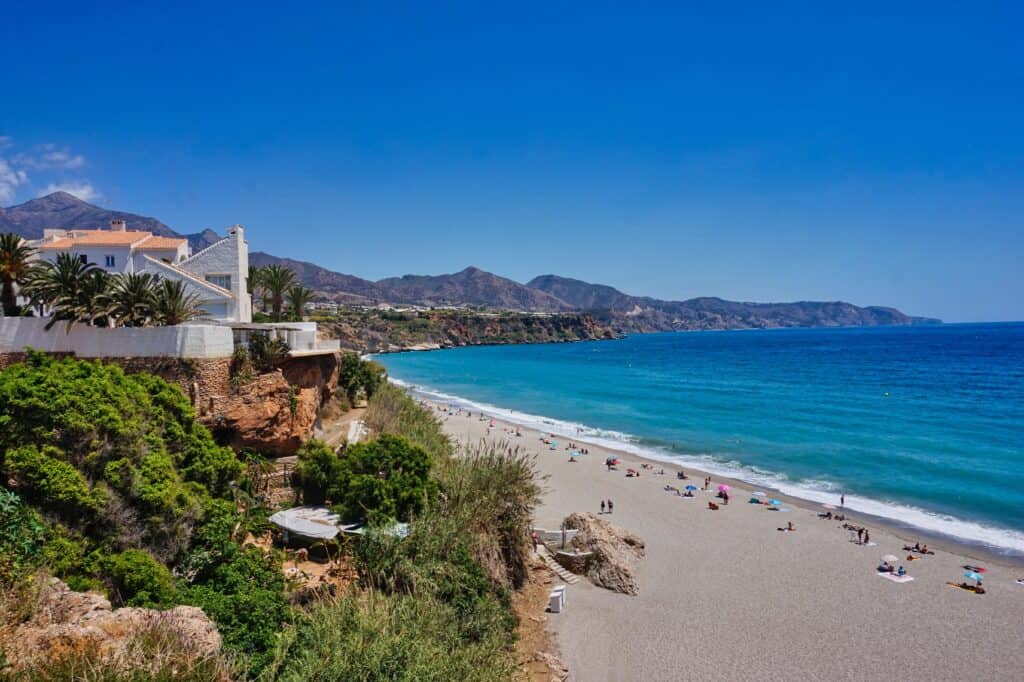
895 578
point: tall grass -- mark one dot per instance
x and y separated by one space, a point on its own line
379 637
392 411
490 492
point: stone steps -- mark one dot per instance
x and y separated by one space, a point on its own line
567 576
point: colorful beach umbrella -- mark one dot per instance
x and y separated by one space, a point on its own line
723 488
973 576
691 487
773 501
890 558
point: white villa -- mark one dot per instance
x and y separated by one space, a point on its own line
216 275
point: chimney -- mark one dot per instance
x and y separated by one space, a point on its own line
118 226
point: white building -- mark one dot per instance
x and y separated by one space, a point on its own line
216 275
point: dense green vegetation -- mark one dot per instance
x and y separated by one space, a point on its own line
110 483
133 496
384 480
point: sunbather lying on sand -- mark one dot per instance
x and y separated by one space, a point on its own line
977 589
712 506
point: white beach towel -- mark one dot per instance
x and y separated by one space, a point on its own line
895 578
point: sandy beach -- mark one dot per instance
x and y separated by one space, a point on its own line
725 595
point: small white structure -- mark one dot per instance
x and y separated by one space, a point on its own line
216 275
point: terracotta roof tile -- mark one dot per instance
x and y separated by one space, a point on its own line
96 238
155 242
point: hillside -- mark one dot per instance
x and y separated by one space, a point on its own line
645 314
372 331
473 287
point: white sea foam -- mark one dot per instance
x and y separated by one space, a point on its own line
1000 540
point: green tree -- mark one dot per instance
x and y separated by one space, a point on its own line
63 286
298 296
276 280
384 479
174 305
316 471
134 298
136 578
254 283
15 255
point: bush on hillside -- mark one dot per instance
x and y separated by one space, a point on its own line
316 471
119 457
22 534
135 578
358 377
385 478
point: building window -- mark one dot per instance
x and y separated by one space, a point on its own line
108 261
223 281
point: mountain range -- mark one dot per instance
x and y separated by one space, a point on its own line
477 288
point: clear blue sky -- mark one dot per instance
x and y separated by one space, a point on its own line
761 151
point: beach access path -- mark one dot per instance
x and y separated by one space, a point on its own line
725 595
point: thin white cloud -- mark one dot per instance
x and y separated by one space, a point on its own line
50 157
82 190
10 179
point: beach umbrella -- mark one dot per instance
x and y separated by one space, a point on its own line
973 576
723 488
890 558
773 501
691 487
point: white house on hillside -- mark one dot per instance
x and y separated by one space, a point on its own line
216 275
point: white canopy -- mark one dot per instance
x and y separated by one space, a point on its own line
318 523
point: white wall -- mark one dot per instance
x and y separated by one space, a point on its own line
18 334
96 255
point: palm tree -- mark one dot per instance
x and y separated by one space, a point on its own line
277 280
94 304
60 285
298 297
174 305
134 298
14 265
254 281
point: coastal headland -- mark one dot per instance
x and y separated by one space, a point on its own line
725 594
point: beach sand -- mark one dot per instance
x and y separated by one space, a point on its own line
724 595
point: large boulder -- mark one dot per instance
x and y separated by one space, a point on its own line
65 623
614 552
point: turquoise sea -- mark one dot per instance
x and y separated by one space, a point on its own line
921 425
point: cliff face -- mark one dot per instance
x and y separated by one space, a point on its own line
375 331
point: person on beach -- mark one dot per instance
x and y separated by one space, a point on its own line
867 537
860 536
611 506
842 500
533 536
602 506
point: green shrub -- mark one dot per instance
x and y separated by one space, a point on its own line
48 481
358 377
135 578
383 479
22 534
244 595
316 470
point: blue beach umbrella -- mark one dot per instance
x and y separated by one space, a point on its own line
773 501
973 576
691 487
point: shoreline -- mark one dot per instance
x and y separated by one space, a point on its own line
753 601
970 548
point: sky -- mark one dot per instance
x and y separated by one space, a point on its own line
757 152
